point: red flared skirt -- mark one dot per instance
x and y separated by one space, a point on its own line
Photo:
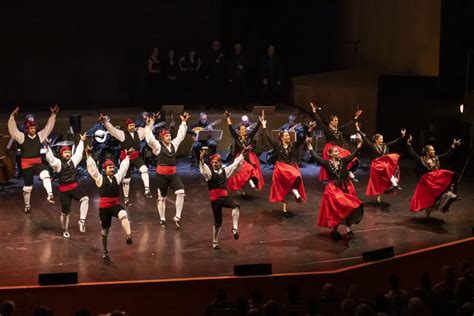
248 170
285 177
323 174
338 204
381 170
429 188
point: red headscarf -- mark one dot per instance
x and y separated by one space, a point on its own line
106 163
128 122
215 157
29 123
64 148
164 132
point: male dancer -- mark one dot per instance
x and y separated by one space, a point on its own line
130 138
216 178
30 145
166 175
109 205
66 170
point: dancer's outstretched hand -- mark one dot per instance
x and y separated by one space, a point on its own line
185 116
403 132
456 143
409 140
55 109
15 111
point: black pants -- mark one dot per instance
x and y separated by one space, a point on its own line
106 214
137 163
168 180
28 173
67 197
217 206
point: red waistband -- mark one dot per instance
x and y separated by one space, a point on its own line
67 187
133 155
215 194
105 202
165 169
30 162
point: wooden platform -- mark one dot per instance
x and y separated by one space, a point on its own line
33 244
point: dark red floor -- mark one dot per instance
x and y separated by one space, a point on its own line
33 244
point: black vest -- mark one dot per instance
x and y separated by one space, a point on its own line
109 189
68 172
217 181
30 147
130 142
167 157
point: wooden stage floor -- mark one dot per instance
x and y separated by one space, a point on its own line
33 244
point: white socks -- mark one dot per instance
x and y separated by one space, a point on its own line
65 221
27 194
394 181
179 202
122 215
252 184
126 187
146 180
235 218
215 234
83 208
296 193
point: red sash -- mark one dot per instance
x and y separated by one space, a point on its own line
67 187
166 170
30 162
215 194
106 202
133 155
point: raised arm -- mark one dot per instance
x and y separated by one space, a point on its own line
118 134
365 138
450 152
183 127
255 130
122 169
399 140
203 168
54 162
79 153
353 154
232 169
309 145
44 133
233 133
92 169
411 152
151 140
13 129
267 135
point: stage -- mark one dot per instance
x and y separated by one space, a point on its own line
33 244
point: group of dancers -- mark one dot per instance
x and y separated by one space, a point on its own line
340 205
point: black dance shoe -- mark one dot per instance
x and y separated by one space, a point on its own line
287 214
235 232
162 222
335 235
350 234
129 240
105 256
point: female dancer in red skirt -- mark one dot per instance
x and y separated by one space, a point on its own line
340 204
384 169
335 138
286 174
437 187
250 171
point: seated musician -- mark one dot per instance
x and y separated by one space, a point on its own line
202 125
